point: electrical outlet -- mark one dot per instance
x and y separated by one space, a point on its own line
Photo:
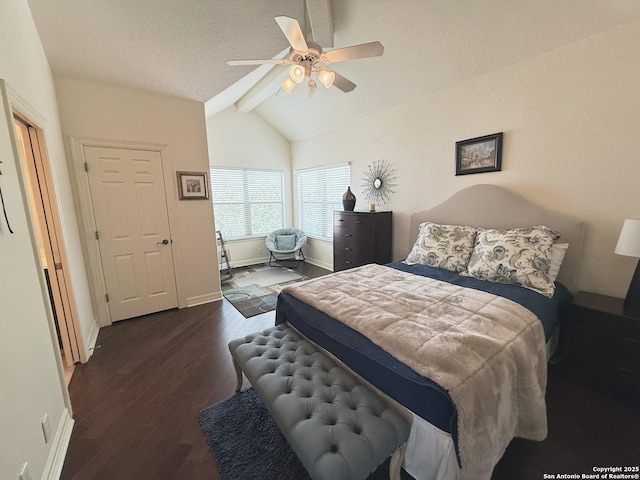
24 473
46 428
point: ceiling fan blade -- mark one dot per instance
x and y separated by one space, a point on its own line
343 83
371 49
275 61
291 29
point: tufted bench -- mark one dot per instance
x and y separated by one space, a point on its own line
337 427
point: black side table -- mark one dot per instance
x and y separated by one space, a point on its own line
602 345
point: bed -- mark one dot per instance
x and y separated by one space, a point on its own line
378 321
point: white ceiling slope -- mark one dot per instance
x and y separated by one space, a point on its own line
176 47
180 47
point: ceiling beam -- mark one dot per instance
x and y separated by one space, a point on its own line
319 22
264 88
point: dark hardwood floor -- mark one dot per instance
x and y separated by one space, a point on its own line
136 401
587 428
136 405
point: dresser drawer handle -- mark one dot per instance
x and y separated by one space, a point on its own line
347 249
341 219
632 340
358 221
347 234
621 368
347 262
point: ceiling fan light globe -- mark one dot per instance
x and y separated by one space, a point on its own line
313 89
288 85
326 76
296 73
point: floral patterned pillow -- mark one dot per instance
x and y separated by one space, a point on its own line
443 246
520 256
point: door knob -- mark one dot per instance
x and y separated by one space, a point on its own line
163 242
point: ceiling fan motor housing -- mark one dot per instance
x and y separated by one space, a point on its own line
312 55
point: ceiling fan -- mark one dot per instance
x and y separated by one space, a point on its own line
305 57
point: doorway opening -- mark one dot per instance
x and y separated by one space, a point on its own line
47 226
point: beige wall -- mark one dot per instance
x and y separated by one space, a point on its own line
30 379
570 121
238 139
99 111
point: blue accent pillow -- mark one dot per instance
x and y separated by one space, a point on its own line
285 243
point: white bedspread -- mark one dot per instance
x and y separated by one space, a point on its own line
486 351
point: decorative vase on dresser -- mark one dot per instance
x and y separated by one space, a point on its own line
360 238
348 200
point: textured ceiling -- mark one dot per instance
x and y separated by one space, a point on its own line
180 47
177 47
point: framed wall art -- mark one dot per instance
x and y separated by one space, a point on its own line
193 186
478 155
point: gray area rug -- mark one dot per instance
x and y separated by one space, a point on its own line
265 276
247 445
254 290
250 306
245 442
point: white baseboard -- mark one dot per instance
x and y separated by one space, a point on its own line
53 467
248 262
202 299
90 342
258 261
318 263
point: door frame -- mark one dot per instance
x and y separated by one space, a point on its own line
44 213
14 102
19 108
87 221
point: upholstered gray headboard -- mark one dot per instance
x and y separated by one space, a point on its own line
490 206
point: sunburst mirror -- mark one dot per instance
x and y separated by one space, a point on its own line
378 183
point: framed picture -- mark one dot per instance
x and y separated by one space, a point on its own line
192 186
478 155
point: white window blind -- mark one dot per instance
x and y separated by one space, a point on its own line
247 202
319 194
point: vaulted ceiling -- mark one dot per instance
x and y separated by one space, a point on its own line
180 48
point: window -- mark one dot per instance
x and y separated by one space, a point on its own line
319 194
247 202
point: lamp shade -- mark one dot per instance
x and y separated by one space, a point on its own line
288 85
326 76
313 89
296 73
629 240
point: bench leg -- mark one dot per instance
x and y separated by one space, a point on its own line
238 375
396 462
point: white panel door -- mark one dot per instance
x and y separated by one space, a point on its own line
129 204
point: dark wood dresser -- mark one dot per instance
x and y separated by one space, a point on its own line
360 238
601 344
